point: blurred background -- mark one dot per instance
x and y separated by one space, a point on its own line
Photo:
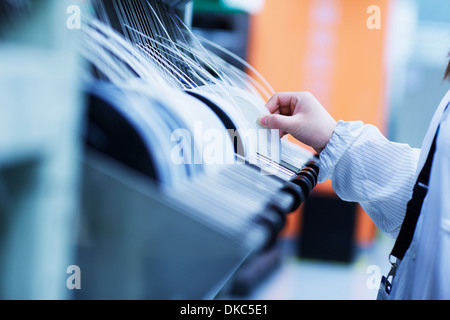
379 61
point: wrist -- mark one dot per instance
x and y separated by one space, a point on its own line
326 134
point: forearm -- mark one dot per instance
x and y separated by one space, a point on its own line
367 168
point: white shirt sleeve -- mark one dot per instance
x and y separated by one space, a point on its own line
367 168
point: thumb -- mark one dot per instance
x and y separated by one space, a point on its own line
277 121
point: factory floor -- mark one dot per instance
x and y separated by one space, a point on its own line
297 278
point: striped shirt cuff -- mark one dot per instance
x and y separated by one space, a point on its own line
344 136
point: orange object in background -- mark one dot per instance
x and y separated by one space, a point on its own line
327 48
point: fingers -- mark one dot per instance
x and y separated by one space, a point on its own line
286 103
279 100
276 121
301 115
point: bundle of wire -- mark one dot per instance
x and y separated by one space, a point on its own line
160 86
168 61
162 101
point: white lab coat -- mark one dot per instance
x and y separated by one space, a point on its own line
379 174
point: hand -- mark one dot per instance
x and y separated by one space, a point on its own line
302 116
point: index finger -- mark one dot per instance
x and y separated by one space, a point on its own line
282 100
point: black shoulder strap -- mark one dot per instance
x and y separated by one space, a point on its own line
414 206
